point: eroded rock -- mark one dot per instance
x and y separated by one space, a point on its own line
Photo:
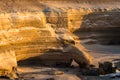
106 68
24 31
8 64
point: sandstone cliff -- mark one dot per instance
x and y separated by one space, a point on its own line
32 31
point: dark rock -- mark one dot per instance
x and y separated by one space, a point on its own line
50 79
106 68
118 76
90 72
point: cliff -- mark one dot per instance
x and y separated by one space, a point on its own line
42 31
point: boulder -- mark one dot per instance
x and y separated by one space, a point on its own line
106 68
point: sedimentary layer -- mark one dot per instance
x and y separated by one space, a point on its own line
43 30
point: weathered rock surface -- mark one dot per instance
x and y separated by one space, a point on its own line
8 64
100 17
32 31
106 68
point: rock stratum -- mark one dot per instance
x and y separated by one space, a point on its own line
41 31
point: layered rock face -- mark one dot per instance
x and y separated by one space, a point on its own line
28 36
21 34
8 65
100 19
102 27
43 31
27 33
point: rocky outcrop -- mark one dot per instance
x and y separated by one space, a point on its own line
19 35
26 32
99 23
42 31
28 36
85 19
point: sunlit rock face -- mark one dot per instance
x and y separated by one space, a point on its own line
28 33
34 29
88 19
100 19
8 64
25 34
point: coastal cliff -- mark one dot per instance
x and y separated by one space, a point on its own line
40 30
